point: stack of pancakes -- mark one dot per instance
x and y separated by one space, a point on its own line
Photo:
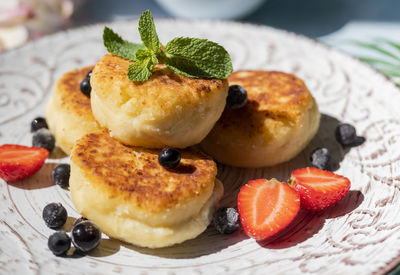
114 138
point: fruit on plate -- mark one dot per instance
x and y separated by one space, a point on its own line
169 158
43 138
59 243
86 236
318 189
266 207
320 158
18 162
237 97
54 215
226 220
38 123
61 175
346 135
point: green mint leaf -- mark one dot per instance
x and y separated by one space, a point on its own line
117 46
142 69
185 67
148 33
194 57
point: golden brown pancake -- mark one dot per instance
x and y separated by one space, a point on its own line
68 112
126 192
168 109
277 122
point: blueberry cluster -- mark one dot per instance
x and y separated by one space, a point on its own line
346 135
42 137
85 235
85 84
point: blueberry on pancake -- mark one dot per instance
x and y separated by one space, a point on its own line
68 112
278 120
131 197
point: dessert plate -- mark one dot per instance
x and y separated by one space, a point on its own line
360 235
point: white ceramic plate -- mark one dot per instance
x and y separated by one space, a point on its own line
360 235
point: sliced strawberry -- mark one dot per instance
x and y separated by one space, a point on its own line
319 189
18 162
266 207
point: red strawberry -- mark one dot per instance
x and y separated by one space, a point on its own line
266 207
319 189
18 162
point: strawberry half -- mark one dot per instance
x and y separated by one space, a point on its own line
266 207
319 189
18 162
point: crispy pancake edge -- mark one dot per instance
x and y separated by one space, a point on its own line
275 100
279 94
110 79
113 167
69 94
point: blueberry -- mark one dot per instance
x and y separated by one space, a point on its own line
89 74
346 135
237 97
38 123
59 243
320 158
226 220
169 157
86 236
43 138
81 219
54 215
85 87
61 174
357 141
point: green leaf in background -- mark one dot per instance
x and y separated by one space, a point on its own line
195 57
142 69
391 43
378 49
388 57
117 46
148 33
391 73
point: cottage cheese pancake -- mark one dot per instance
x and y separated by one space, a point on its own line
168 109
68 112
131 197
277 122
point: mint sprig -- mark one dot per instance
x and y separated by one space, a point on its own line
117 46
191 57
148 34
143 67
194 57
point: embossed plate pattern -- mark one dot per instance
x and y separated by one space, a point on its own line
360 235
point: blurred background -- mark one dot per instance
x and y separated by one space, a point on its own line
371 26
21 20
